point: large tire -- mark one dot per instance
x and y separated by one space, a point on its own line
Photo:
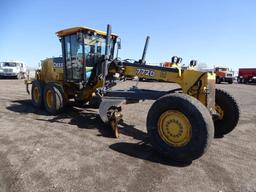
37 93
230 81
95 101
200 133
53 98
229 112
218 81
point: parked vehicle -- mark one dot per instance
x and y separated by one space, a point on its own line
180 125
223 74
246 75
13 69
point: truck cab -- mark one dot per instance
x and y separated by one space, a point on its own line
13 69
223 74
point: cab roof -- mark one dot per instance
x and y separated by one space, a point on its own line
221 67
73 30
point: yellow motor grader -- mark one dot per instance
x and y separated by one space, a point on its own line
180 123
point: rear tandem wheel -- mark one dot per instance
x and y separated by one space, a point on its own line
53 98
37 93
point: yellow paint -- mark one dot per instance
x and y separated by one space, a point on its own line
174 128
158 74
50 73
36 94
185 78
211 76
73 30
88 92
27 81
194 83
49 98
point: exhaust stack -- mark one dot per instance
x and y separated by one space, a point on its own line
142 61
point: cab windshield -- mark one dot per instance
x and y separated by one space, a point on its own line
222 69
83 52
9 64
94 48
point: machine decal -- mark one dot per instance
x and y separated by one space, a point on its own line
145 72
58 62
58 65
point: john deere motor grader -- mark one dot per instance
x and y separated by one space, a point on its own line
181 124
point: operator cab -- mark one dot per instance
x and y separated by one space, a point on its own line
83 49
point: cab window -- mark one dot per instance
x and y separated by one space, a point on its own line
74 58
94 49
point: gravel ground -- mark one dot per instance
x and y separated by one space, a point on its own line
74 151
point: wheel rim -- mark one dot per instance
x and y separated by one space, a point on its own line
174 128
36 94
49 98
219 111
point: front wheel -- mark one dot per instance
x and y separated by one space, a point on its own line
228 111
180 127
218 81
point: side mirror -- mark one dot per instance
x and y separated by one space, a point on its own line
179 60
175 60
193 63
119 43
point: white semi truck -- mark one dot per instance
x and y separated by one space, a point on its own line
13 69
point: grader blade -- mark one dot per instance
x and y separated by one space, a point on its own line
110 113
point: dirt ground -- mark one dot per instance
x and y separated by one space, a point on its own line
74 151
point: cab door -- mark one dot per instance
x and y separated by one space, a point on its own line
73 55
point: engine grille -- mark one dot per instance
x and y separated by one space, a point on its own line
8 70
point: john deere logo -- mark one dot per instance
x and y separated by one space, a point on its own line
58 65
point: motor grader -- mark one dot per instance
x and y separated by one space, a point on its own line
180 123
